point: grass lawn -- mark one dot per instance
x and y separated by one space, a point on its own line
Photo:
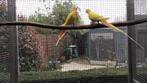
142 70
51 75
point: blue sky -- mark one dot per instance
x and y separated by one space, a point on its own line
115 10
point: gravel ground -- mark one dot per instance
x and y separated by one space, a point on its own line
76 66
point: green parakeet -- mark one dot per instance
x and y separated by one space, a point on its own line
94 17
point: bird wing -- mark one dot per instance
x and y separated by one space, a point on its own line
96 17
69 19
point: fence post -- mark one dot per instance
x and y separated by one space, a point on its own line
13 44
131 45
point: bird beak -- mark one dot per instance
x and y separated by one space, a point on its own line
79 9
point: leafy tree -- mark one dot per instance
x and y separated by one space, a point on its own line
56 17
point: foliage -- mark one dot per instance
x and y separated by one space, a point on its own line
3 11
28 53
4 38
56 17
29 56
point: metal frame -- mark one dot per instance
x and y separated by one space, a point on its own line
131 46
13 44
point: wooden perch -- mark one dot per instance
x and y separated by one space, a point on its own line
127 23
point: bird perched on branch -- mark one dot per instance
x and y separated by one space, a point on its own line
70 20
95 17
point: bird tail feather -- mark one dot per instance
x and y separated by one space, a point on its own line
60 36
119 30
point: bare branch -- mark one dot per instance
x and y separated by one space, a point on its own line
127 23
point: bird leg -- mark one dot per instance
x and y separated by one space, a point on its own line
73 25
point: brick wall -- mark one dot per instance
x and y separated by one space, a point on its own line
46 45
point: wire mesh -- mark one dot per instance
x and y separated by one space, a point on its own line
4 56
140 12
4 52
95 52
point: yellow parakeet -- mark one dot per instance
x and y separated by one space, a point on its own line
94 17
70 20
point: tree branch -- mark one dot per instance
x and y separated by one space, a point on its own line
127 23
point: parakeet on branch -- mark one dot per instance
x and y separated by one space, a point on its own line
94 17
70 20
